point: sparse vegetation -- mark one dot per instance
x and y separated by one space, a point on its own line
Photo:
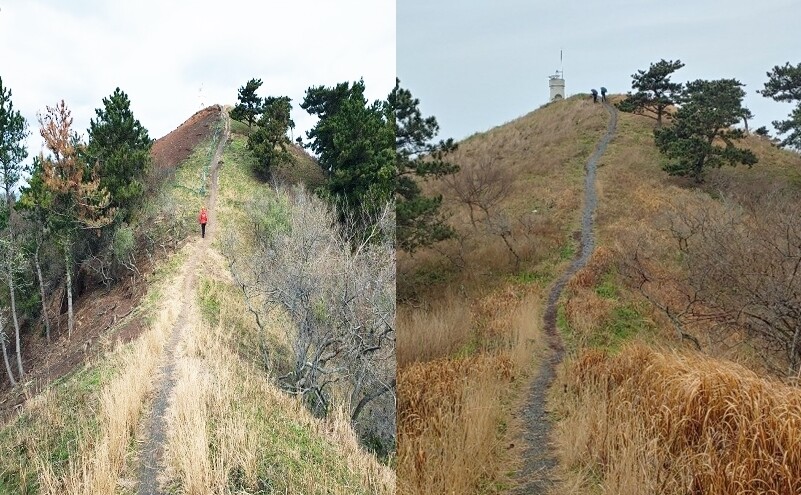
456 298
83 432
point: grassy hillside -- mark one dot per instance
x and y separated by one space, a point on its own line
229 429
679 268
471 314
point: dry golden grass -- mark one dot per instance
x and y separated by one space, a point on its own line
470 330
646 421
449 411
433 333
231 430
102 458
453 422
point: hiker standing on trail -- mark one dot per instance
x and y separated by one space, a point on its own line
594 96
203 218
603 93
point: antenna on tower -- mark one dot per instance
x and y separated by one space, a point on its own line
556 82
200 96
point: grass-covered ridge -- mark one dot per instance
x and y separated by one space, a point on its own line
478 299
229 428
469 333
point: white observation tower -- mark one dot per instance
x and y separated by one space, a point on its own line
557 84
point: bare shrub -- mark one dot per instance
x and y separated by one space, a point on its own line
337 285
481 183
743 272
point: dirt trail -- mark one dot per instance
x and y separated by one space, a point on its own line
536 475
155 429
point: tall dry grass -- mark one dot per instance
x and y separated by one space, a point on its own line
232 430
454 422
470 312
646 421
430 333
103 458
447 437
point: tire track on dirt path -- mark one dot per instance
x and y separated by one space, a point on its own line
152 452
539 460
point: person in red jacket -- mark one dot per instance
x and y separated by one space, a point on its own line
203 218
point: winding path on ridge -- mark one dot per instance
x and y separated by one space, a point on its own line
539 460
152 453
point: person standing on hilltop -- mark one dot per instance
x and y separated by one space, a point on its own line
603 93
594 96
203 218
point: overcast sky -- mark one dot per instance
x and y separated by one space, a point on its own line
474 67
172 56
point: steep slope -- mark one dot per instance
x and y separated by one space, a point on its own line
186 406
539 459
104 317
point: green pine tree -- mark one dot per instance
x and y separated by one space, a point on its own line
702 135
419 218
118 152
269 141
13 131
784 84
655 92
250 105
355 143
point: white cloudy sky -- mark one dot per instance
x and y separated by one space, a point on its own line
475 65
161 53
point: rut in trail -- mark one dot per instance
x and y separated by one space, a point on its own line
536 475
155 429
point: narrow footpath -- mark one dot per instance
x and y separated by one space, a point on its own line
539 459
152 452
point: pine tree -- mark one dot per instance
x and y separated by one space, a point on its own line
13 131
269 141
78 202
784 84
35 202
708 111
355 143
419 220
250 105
119 152
655 92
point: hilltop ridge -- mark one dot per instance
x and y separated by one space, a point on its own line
473 305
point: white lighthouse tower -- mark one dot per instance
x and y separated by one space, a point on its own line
557 84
